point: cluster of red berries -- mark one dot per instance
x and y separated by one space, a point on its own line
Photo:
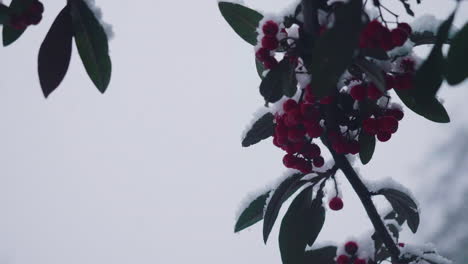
269 42
336 203
383 126
31 16
375 35
294 132
351 249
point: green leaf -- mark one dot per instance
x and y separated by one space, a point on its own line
10 34
300 226
403 206
457 64
430 108
55 52
366 147
429 76
374 73
324 255
331 56
92 44
287 188
279 81
244 21
252 214
260 68
4 14
262 129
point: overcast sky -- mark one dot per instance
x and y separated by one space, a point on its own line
153 171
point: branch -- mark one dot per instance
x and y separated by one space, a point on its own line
365 197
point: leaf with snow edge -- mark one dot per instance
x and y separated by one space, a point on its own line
301 226
373 72
279 81
260 68
457 65
403 205
10 34
252 214
243 20
324 255
284 190
331 56
376 53
4 14
429 108
366 147
262 129
55 52
92 44
429 76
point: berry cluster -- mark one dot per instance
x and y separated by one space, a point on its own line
269 41
31 16
351 256
375 36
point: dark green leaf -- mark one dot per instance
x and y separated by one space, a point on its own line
376 53
4 14
331 55
10 34
252 214
425 37
429 76
403 206
243 20
262 129
91 41
325 255
260 68
286 188
457 58
373 72
366 147
300 226
279 81
55 52
429 108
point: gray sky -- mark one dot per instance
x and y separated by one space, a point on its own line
153 171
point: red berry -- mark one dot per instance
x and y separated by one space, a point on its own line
319 161
270 63
290 105
262 54
388 124
296 135
270 28
396 113
360 261
269 42
339 146
383 136
406 27
351 247
342 259
358 92
401 244
36 7
282 141
408 65
404 82
389 81
289 160
314 130
353 147
370 126
303 166
373 92
336 204
386 39
293 118
399 37
311 151
309 111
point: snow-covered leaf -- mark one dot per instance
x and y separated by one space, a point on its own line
262 129
300 226
10 34
285 189
331 55
457 58
366 147
373 72
243 20
252 214
324 255
92 44
404 206
55 52
279 81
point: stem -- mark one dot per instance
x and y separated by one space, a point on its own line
365 197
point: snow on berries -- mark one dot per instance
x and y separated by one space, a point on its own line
30 16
